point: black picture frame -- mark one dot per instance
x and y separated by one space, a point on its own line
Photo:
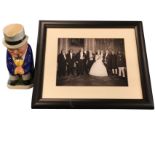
40 103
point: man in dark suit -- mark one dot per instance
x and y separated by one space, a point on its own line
90 60
62 63
86 69
114 63
121 63
70 62
80 61
107 60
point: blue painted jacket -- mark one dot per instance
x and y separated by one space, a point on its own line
28 64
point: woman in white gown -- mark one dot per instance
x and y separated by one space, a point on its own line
98 68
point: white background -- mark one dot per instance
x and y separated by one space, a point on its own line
24 131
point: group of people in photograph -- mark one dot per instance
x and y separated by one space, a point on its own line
102 63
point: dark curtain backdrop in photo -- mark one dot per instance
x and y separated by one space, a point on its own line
90 44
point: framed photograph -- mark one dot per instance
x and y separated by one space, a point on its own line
91 65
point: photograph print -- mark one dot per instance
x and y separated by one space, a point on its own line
91 62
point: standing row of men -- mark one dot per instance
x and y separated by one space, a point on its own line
80 63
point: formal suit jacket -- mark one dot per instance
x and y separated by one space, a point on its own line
114 60
107 60
70 60
28 64
61 59
121 60
89 58
78 56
